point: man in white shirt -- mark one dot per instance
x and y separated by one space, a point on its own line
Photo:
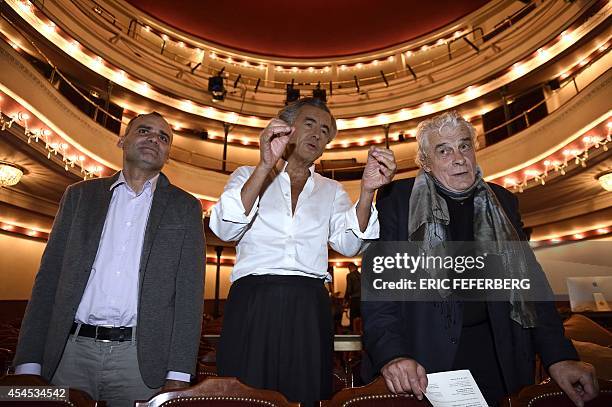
116 307
277 328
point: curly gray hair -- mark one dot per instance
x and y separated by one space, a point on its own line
434 125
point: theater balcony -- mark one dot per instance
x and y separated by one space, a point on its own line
533 77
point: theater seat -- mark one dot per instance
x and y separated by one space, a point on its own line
550 395
6 358
218 392
205 371
76 398
374 394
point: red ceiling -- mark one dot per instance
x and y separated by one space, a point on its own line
309 29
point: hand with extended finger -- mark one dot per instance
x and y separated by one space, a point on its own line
272 142
379 169
405 376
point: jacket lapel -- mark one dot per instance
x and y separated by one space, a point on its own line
158 207
96 219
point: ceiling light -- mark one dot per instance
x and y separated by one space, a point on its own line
605 180
10 174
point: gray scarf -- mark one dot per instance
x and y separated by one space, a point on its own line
428 224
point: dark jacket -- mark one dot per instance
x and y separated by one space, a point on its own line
171 280
420 331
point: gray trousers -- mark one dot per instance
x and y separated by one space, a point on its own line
106 370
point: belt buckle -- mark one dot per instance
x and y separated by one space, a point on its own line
96 337
121 334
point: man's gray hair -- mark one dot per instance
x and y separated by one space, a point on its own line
427 128
289 113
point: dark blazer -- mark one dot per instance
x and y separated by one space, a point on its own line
171 279
418 329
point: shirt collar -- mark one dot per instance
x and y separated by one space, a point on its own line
311 168
148 187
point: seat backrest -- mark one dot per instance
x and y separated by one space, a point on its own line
205 371
219 391
374 394
6 358
76 398
341 380
550 395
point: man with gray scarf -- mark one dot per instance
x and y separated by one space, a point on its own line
496 341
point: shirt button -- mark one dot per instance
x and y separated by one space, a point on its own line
128 223
454 341
288 214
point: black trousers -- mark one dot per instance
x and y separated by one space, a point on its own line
476 352
277 334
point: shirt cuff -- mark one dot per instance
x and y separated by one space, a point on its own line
372 230
28 368
183 377
232 208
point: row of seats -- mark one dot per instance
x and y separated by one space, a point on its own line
229 392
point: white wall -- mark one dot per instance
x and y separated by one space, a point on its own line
581 259
19 260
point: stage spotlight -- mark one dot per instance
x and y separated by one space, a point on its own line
319 93
401 137
237 80
216 88
203 134
356 83
257 84
292 93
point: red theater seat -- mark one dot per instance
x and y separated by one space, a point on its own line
374 394
550 395
219 392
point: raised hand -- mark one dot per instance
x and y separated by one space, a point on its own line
379 169
272 142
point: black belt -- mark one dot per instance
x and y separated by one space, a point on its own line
102 333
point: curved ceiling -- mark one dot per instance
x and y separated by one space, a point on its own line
316 29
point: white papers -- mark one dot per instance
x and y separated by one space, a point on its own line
454 389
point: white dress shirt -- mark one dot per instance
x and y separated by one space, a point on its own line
111 294
272 240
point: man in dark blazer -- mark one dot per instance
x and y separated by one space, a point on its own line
116 306
406 340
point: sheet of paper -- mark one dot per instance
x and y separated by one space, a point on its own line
456 388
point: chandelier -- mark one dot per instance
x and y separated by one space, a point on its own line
605 180
10 174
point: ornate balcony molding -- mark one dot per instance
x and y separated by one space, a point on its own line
455 75
24 84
